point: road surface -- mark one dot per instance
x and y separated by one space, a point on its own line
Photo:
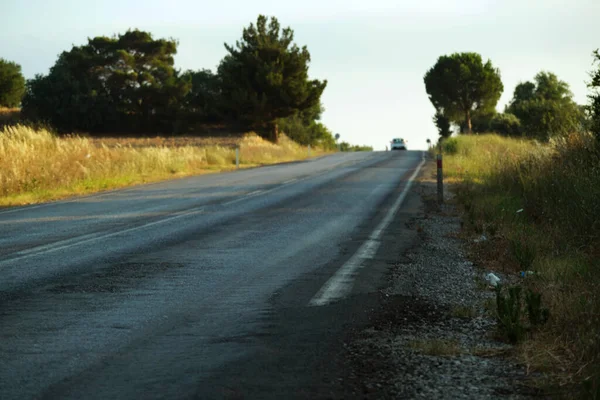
216 286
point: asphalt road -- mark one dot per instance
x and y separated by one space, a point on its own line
236 285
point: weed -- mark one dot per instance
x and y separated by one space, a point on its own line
509 313
523 252
591 388
538 315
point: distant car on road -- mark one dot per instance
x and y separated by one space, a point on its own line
398 144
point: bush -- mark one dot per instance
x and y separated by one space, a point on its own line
450 146
506 124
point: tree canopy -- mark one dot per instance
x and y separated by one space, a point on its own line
203 102
594 107
443 125
126 82
12 84
545 107
461 84
265 77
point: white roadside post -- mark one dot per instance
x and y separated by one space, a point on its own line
440 180
237 157
309 150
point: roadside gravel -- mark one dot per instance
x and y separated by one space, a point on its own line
432 338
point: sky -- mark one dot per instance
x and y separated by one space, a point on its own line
373 53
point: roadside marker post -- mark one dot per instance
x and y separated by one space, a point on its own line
440 180
237 157
309 150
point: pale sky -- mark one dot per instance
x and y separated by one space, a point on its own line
373 53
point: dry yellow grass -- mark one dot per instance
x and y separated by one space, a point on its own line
542 201
37 166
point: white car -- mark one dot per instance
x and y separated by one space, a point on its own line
398 144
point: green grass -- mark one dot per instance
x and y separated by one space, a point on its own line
544 201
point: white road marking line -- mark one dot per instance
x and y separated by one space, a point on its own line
340 284
247 196
290 181
36 251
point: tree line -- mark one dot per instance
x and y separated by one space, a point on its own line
465 91
128 83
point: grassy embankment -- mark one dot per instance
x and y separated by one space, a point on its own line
539 205
37 166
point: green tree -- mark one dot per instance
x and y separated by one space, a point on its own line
443 124
505 124
304 127
460 84
204 98
594 97
125 83
12 84
545 107
265 77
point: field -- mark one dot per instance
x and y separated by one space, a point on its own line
538 205
36 165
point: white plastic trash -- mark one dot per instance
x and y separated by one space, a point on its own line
492 279
482 238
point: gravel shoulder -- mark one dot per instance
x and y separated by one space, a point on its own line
433 334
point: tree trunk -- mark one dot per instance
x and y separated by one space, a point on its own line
274 133
468 122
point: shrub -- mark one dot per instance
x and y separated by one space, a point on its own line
506 124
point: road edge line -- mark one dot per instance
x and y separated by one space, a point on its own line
341 283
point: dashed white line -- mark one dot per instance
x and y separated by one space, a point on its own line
340 284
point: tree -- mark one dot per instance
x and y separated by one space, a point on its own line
443 125
126 82
594 106
12 84
460 84
204 98
265 77
545 107
304 127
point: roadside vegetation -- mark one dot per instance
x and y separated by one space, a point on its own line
116 111
37 165
530 195
538 206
